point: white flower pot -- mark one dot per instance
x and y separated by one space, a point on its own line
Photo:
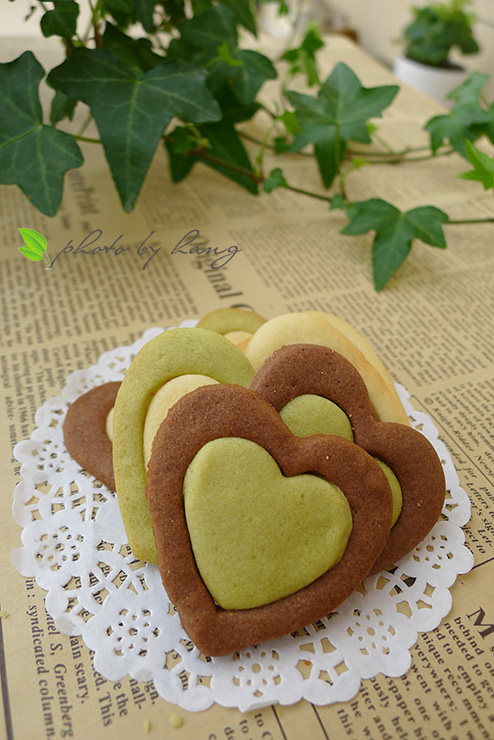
433 81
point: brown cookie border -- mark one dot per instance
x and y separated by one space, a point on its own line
84 432
232 411
307 368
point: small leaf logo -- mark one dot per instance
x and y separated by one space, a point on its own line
35 248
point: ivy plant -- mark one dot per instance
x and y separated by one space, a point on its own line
184 78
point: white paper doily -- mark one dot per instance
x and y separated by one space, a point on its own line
74 544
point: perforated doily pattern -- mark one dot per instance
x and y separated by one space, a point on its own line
74 544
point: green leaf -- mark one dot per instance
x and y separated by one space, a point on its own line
395 232
248 79
275 179
245 72
62 20
178 144
211 29
465 122
120 6
226 145
144 10
338 201
281 145
483 167
468 92
137 54
340 112
487 127
232 110
34 241
289 120
131 109
29 254
200 6
302 58
225 55
175 10
61 107
33 156
242 10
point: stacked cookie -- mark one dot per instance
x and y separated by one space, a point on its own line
267 479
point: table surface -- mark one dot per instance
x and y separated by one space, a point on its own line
432 325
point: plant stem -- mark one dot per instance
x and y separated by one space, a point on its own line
487 220
309 193
403 159
248 137
262 148
85 124
385 144
401 153
268 111
202 154
86 138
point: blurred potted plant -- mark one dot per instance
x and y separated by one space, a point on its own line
429 39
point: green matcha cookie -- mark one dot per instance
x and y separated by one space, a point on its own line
256 535
310 414
171 354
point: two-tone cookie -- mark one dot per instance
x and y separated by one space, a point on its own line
316 390
258 532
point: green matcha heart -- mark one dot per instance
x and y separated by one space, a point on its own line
257 535
312 414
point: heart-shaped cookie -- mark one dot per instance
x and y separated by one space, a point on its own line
315 327
236 324
219 412
85 435
256 534
301 369
173 353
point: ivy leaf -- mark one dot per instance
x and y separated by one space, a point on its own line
282 145
200 6
483 167
242 9
132 109
174 9
395 232
303 58
232 110
225 144
289 120
137 54
120 6
61 107
35 244
178 145
33 155
144 10
211 29
245 71
488 125
62 20
338 201
251 75
468 92
464 123
275 179
339 112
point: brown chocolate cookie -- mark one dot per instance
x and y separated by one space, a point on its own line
84 432
311 369
219 411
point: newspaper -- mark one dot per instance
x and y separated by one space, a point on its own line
432 327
